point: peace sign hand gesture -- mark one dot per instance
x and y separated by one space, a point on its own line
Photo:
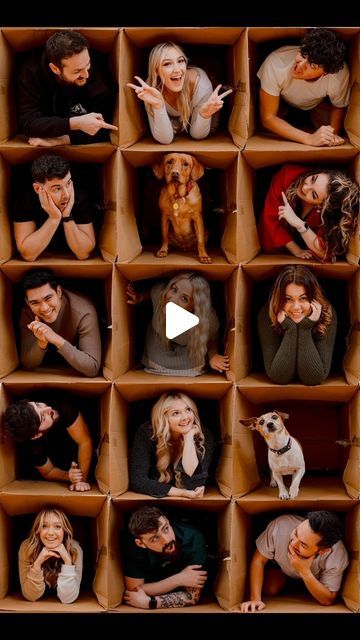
214 103
148 94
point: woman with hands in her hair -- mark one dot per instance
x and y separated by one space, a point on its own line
171 454
316 208
186 354
50 558
177 97
297 329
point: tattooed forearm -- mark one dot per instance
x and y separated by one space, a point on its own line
179 598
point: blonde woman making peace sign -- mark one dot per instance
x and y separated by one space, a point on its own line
177 97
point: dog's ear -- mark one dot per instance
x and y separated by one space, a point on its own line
197 171
249 422
284 416
159 169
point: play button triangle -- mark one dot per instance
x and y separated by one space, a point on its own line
178 320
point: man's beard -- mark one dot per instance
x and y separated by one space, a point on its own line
175 553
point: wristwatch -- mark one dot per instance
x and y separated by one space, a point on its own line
67 218
304 229
152 602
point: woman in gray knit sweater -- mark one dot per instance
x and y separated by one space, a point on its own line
297 329
171 454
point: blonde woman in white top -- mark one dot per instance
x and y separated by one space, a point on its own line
177 97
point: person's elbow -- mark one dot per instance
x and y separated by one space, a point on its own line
164 139
30 595
199 136
25 364
68 598
28 256
328 599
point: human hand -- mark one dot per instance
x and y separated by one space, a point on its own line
304 254
252 606
63 553
133 296
148 94
44 334
287 213
90 123
48 205
315 310
137 598
75 474
67 211
192 576
301 565
44 555
80 486
219 363
281 316
213 103
325 137
49 142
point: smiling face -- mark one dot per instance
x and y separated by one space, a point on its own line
51 531
181 293
172 69
314 189
161 541
59 190
297 305
304 542
45 302
74 70
47 416
305 70
180 417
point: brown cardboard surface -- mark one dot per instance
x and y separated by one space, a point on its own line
351 475
9 358
136 384
352 115
25 496
259 388
351 586
265 266
86 603
212 500
264 151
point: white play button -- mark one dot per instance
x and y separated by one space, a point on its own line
178 320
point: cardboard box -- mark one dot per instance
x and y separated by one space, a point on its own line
223 282
28 498
134 395
94 398
225 195
339 281
14 154
220 51
17 40
263 40
217 522
94 270
326 428
247 521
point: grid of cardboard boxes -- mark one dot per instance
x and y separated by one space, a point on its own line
239 161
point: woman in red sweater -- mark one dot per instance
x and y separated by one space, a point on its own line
318 206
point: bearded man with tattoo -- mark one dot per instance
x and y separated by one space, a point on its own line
165 564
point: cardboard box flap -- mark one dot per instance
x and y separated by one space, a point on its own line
265 151
27 496
259 388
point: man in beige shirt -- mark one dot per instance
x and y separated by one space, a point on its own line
308 548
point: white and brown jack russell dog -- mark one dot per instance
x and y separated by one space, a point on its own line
285 454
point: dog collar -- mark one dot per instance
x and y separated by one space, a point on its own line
279 452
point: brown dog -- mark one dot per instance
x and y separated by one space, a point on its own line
180 204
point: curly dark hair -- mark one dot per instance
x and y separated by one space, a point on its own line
327 525
49 166
145 520
325 48
21 421
64 44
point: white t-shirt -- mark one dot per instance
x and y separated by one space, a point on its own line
275 77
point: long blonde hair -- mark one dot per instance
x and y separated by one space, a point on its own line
162 436
183 104
51 567
339 211
199 336
302 276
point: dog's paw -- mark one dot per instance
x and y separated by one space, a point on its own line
293 492
162 253
273 483
284 495
205 259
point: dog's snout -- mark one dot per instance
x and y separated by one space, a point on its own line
175 175
271 427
